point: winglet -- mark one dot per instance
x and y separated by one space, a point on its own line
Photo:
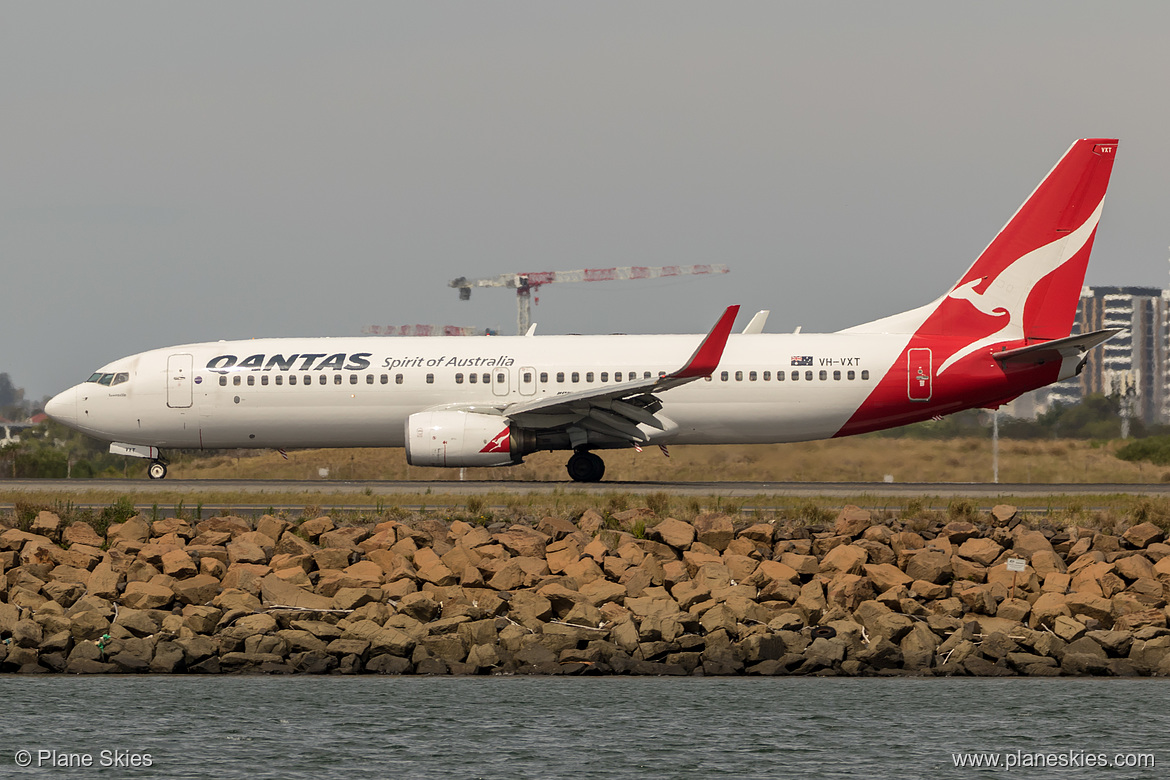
706 358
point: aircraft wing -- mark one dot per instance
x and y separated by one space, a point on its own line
618 409
1056 350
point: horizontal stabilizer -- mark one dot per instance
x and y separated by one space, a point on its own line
1058 349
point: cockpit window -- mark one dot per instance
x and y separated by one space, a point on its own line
109 379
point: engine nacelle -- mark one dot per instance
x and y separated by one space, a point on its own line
455 439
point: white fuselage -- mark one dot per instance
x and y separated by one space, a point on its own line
358 392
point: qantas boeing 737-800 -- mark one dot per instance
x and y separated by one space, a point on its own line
1001 330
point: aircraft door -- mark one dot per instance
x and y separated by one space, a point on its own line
179 379
527 381
918 374
501 381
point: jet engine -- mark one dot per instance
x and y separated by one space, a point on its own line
456 438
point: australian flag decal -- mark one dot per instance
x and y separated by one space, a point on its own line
802 360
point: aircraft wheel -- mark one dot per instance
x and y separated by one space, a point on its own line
157 469
585 467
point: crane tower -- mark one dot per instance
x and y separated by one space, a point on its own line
525 283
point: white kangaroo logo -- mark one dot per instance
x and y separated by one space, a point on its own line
1008 292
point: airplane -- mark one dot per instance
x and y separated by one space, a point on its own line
1000 331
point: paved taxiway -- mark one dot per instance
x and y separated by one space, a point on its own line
195 487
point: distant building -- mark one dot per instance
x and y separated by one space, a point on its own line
1133 363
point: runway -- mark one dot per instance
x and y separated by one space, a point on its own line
372 488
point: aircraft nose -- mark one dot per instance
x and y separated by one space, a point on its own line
63 407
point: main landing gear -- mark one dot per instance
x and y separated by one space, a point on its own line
157 469
584 466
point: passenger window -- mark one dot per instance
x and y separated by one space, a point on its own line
321 379
767 376
473 378
796 375
604 376
617 376
576 377
544 377
236 380
370 379
279 379
397 379
527 377
752 376
264 380
589 376
560 376
459 379
738 376
251 380
850 375
724 376
501 378
292 379
865 374
353 379
780 376
487 378
337 379
430 379
837 375
222 380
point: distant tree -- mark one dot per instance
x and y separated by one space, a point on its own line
11 397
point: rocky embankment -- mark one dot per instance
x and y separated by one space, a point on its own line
713 596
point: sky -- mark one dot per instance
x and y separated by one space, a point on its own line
180 172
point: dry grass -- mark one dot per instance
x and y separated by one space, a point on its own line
857 459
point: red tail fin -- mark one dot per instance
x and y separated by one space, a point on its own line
1026 283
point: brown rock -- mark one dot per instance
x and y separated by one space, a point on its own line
929 565
714 530
1135 621
849 590
135 529
312 529
852 521
82 533
885 576
178 564
198 590
147 595
1003 514
675 533
276 591
1143 535
1134 567
979 549
845 558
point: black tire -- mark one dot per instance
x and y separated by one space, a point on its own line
585 467
156 470
823 632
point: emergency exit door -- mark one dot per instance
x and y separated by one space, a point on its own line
179 381
919 372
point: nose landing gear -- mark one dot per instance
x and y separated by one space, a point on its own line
584 466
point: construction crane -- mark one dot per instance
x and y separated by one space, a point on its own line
425 330
525 283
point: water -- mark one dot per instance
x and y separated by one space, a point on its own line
523 727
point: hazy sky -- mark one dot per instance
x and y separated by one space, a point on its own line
188 172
